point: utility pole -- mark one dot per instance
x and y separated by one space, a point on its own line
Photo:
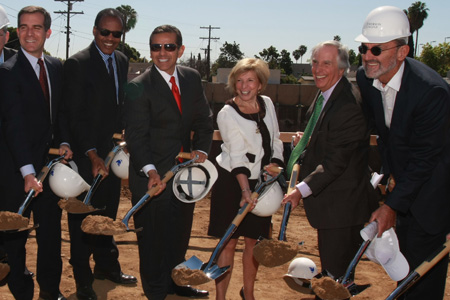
208 50
68 12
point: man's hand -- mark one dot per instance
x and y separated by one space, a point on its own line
294 197
155 180
31 182
296 138
201 156
65 150
269 167
97 164
385 217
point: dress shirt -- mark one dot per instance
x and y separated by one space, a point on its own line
105 58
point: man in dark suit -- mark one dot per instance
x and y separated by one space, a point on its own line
335 184
157 129
409 105
31 124
5 53
94 80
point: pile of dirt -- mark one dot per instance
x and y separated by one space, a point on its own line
101 225
75 206
12 221
327 288
185 276
273 253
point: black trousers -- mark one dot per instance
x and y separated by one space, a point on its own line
417 245
83 245
337 248
47 214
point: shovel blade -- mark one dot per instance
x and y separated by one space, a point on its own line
193 263
215 272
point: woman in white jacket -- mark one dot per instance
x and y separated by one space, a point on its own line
250 133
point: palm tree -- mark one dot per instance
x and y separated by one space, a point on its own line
129 20
417 13
302 49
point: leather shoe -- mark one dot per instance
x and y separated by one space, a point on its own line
188 291
48 296
119 278
86 292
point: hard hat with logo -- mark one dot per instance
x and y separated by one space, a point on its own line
120 164
66 183
269 201
193 182
301 270
384 24
4 21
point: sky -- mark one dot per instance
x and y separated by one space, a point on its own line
253 24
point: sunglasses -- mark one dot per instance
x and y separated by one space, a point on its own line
106 32
167 47
375 50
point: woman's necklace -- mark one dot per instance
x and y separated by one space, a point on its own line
251 114
257 122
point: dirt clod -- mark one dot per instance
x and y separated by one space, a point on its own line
185 276
75 206
273 253
327 288
10 221
101 225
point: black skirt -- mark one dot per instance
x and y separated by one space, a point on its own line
225 199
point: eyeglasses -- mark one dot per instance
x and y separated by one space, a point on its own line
106 32
167 47
375 50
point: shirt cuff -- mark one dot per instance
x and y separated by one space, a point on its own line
148 168
304 189
27 170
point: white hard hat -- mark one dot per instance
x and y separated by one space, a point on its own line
301 270
269 201
384 24
4 21
65 182
120 164
193 182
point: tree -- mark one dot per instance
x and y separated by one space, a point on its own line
131 53
270 55
286 62
352 57
129 19
416 13
298 53
437 58
229 55
13 39
337 38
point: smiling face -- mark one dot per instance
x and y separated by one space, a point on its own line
247 86
385 65
325 68
32 34
107 44
163 59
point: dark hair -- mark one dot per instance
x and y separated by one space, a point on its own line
36 9
108 12
168 29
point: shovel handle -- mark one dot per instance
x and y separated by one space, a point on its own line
118 136
287 208
274 169
424 267
185 155
53 151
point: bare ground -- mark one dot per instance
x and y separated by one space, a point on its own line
269 284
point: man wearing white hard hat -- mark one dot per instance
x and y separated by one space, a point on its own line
409 106
5 53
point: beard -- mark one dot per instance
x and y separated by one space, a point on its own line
382 69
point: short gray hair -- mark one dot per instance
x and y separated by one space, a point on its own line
343 62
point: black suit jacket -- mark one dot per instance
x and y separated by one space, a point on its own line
335 165
155 129
416 148
8 53
93 112
26 130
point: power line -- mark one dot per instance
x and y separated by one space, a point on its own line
208 50
68 12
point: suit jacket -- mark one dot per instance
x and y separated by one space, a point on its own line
8 53
416 148
335 165
155 129
94 114
26 129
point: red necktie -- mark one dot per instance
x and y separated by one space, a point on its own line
176 92
43 81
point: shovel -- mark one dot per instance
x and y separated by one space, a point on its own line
345 286
40 177
194 271
421 270
117 227
266 251
73 206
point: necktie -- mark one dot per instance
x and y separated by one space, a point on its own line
111 75
44 82
176 92
306 135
